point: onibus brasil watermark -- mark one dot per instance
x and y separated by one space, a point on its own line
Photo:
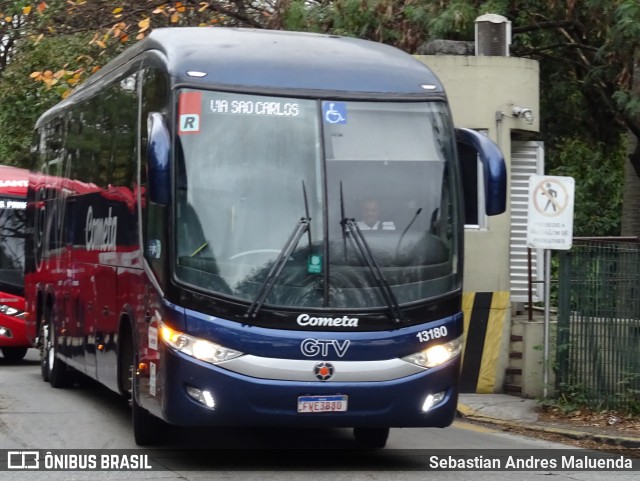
544 460
81 460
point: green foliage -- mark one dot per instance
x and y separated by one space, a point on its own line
627 102
296 17
402 24
356 18
598 173
570 398
500 7
22 100
625 31
454 22
630 395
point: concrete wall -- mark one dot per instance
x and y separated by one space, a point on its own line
533 358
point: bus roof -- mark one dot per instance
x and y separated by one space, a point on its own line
13 181
271 59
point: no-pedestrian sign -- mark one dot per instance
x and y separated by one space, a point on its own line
550 221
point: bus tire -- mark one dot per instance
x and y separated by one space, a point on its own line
371 438
57 372
43 336
13 353
147 428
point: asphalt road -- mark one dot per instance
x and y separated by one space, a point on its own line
34 416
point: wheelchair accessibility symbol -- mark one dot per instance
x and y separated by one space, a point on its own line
334 112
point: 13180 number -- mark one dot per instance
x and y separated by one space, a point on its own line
435 333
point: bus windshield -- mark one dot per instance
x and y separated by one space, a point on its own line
12 219
252 169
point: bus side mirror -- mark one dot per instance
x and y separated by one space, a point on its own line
158 159
493 167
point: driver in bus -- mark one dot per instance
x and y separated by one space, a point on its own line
370 217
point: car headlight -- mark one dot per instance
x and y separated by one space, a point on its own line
195 347
437 354
11 311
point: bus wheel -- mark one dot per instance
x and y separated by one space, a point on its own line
54 369
147 429
14 354
43 339
145 425
371 438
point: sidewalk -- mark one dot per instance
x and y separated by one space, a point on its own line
506 410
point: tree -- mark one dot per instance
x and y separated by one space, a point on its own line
22 100
588 52
58 45
594 46
14 18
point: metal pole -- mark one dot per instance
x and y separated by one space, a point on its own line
530 278
547 320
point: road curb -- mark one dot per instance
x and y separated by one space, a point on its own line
471 414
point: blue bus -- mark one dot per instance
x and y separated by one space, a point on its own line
255 228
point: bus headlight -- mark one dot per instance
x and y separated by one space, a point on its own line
201 349
436 355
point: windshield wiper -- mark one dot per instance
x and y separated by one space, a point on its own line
343 217
301 227
406 229
351 227
306 211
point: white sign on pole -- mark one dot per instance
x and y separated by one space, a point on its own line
550 221
549 226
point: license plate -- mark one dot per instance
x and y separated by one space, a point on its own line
322 404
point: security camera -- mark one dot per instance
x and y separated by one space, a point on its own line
525 113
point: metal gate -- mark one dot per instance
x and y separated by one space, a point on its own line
598 344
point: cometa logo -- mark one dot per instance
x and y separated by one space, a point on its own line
305 320
101 233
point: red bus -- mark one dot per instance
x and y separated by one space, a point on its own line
14 341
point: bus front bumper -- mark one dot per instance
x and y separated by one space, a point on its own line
201 394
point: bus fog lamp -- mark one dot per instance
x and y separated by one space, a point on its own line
5 331
432 400
436 355
202 396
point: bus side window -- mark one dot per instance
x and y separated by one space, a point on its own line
154 216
